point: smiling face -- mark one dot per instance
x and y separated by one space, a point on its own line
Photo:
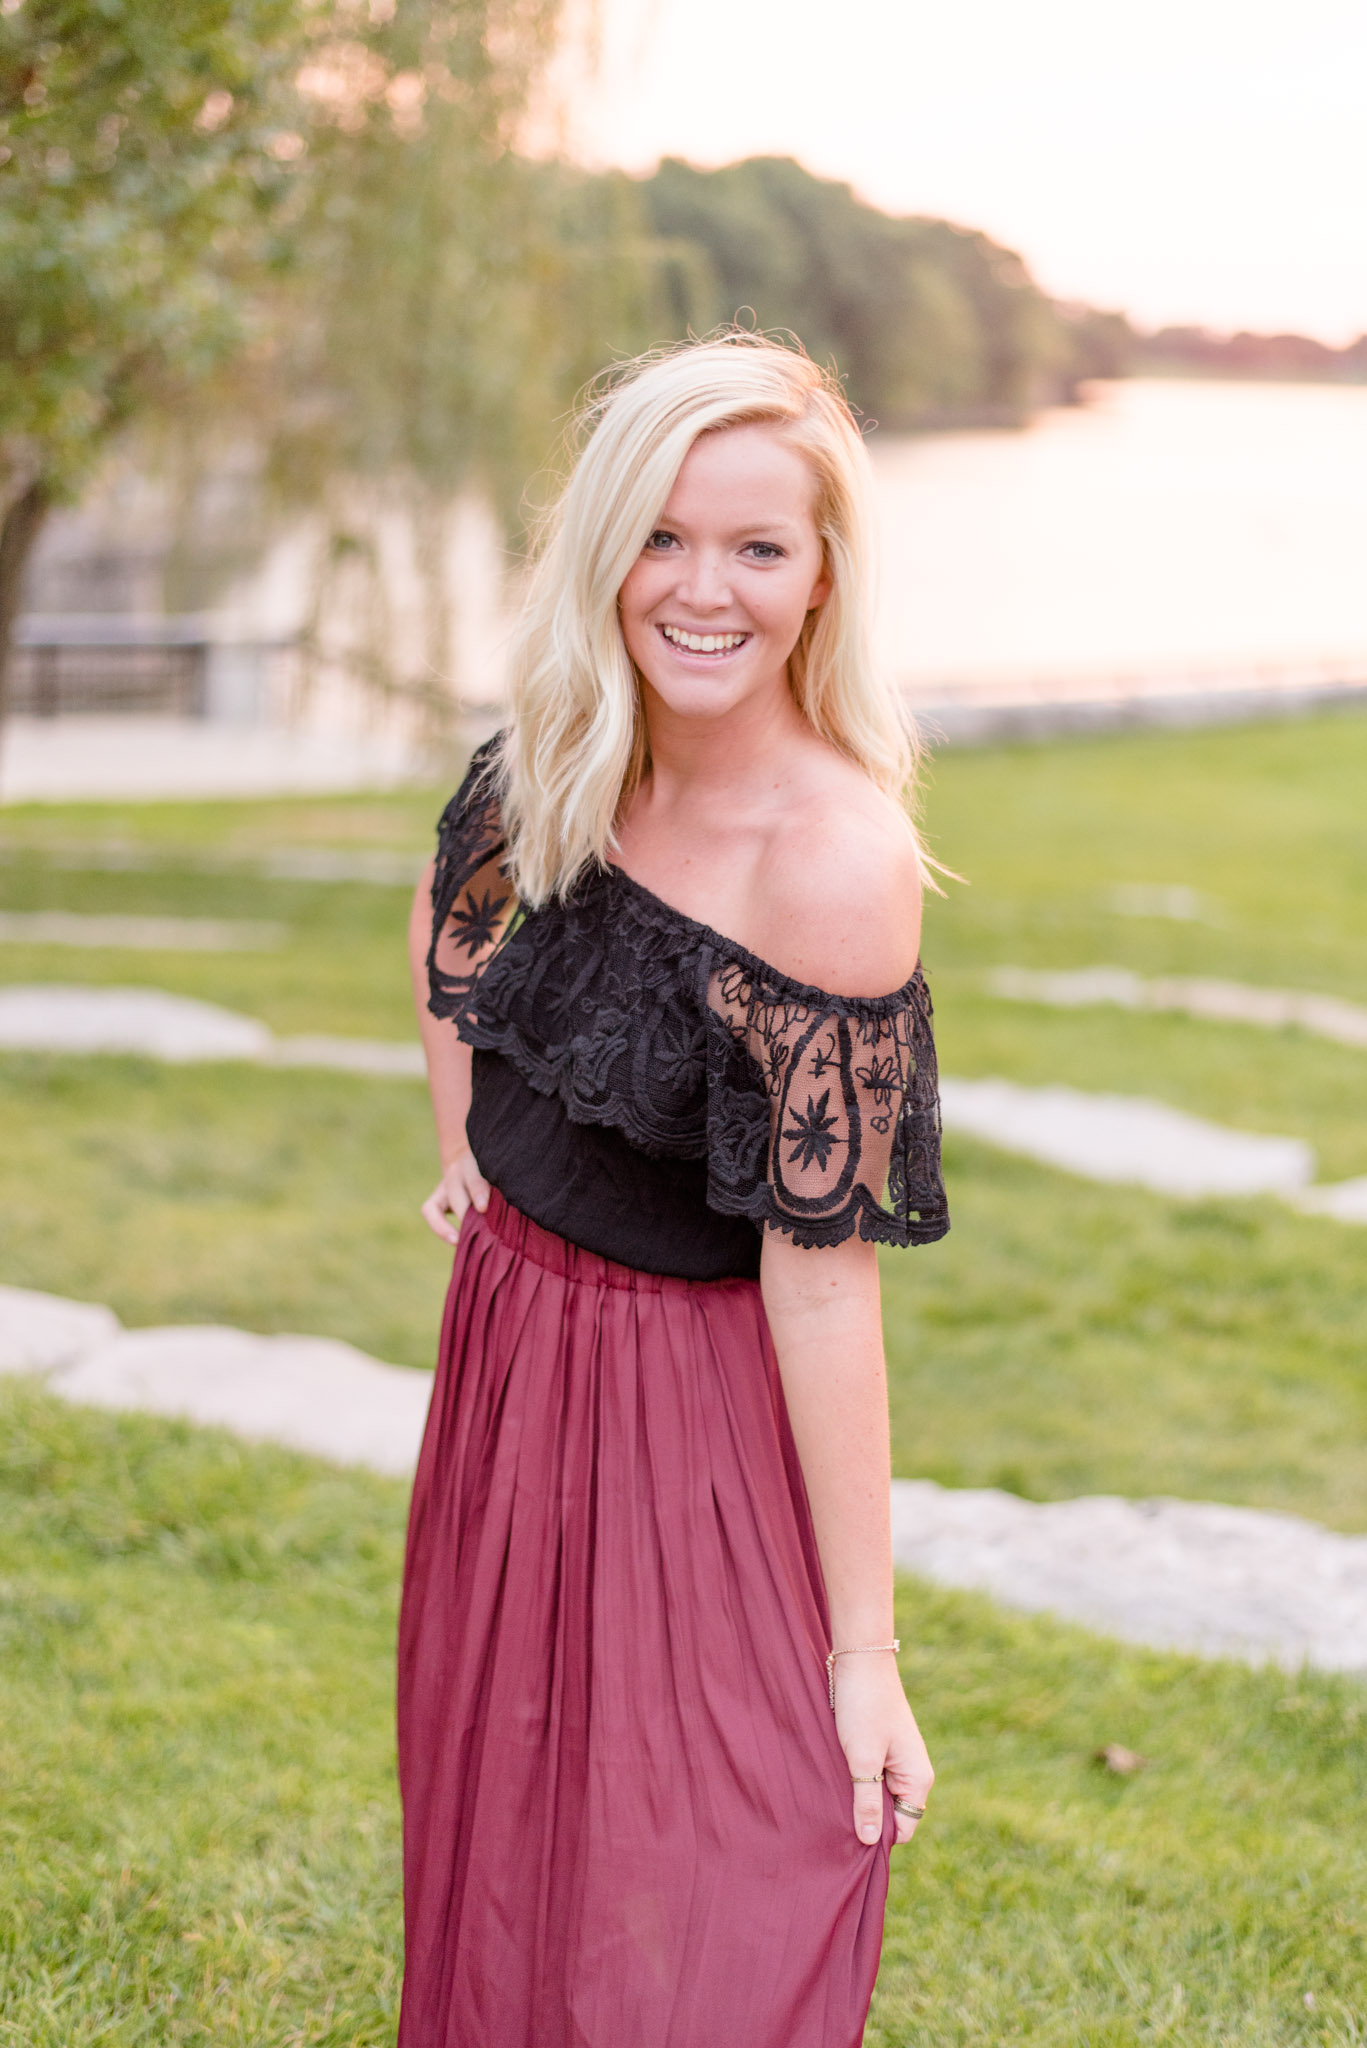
714 604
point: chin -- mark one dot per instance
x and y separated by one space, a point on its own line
700 697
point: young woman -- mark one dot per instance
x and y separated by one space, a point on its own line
684 1083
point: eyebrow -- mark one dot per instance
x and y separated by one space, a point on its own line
760 527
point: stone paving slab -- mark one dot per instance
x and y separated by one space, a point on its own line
311 1394
1345 1200
140 934
1182 1575
55 1017
1221 1002
42 1332
394 1059
1126 1139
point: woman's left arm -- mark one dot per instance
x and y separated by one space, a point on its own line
823 1304
825 1318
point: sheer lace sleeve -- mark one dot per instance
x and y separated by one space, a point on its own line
473 904
823 1111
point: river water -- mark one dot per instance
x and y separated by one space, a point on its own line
1167 534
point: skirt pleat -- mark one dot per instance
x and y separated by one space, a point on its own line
626 1813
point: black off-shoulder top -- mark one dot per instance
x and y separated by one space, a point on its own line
651 1091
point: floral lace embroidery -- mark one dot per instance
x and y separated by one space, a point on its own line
472 899
817 1114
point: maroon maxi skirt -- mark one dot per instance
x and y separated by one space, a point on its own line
626 1813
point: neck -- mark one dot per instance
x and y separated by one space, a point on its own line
739 749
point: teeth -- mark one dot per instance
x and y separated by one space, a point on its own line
704 643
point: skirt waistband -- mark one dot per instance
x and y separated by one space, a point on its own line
570 1261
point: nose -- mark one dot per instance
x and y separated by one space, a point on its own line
706 583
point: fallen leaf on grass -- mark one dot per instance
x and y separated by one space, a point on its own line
1123 1762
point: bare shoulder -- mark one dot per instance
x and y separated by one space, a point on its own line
838 899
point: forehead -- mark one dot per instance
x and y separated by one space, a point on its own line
750 474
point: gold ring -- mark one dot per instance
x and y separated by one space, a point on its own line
905 1806
867 1781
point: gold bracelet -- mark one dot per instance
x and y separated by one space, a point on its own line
860 1650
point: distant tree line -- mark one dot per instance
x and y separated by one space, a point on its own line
928 323
1293 357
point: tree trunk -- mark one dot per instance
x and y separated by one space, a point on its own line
19 530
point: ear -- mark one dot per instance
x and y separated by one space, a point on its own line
820 590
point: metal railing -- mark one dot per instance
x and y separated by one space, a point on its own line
53 681
116 663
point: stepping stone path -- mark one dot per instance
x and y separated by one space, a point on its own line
1217 1581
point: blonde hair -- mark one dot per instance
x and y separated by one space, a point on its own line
576 745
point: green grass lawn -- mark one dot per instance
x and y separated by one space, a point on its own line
342 967
200 1839
199 1836
270 1199
1267 822
195 1638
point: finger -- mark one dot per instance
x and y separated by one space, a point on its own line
435 1217
868 1812
478 1189
439 1225
913 1791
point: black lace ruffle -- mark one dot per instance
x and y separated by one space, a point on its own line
816 1114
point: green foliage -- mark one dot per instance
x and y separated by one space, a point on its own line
927 322
137 183
322 195
297 224
199 1836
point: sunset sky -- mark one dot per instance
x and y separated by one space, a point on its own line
1200 160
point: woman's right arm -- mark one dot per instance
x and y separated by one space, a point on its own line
448 1078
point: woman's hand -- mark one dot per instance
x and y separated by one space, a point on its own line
878 1732
461 1186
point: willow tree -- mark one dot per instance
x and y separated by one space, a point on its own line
447 296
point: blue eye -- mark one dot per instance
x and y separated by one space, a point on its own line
766 551
660 539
